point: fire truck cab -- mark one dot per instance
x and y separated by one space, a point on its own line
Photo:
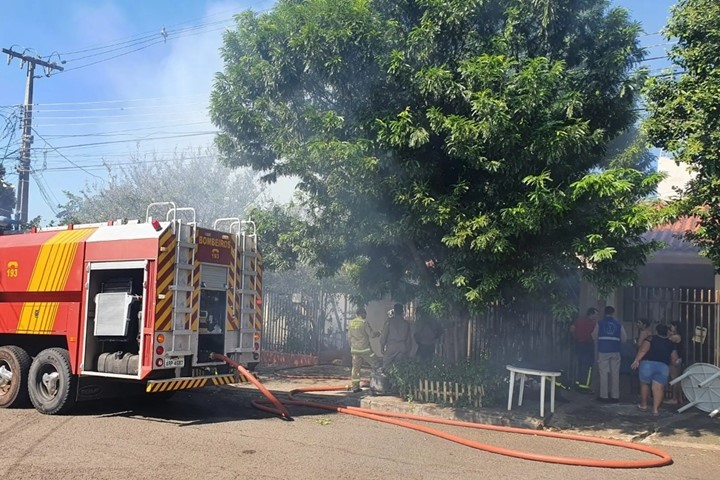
92 311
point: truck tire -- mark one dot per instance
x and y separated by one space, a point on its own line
51 384
16 361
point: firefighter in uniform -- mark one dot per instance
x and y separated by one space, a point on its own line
608 335
358 335
396 341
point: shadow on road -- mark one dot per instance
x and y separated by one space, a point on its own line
200 407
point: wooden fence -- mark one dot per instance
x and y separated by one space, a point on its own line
447 393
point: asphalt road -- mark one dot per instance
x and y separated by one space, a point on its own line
206 435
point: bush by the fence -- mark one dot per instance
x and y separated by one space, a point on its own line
462 384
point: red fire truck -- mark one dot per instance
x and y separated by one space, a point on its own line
92 311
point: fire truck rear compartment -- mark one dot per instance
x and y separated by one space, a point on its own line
114 318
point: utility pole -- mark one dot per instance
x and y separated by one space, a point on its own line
23 193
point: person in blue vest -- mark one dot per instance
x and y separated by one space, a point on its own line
608 335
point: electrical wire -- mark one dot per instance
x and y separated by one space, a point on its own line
39 181
153 43
118 100
106 165
135 140
118 115
134 122
63 156
146 34
106 109
129 131
175 33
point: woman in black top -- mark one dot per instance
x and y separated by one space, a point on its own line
653 359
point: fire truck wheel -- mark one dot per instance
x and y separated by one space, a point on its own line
14 363
51 383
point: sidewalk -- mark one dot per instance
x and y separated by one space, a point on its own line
574 412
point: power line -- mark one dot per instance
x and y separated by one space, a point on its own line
23 190
120 115
164 34
53 160
146 34
143 47
134 122
105 109
136 140
44 192
119 133
117 100
63 156
105 165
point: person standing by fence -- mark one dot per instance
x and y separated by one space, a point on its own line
427 332
608 335
358 335
581 330
395 342
653 360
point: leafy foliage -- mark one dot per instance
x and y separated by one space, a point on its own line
448 150
9 123
630 150
407 374
190 179
7 195
683 113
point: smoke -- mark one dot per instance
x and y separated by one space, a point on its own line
160 90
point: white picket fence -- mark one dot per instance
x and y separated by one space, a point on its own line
448 393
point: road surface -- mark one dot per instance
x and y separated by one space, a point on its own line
206 435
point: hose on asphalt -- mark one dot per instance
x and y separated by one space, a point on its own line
279 408
404 420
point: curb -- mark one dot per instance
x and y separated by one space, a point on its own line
396 405
490 417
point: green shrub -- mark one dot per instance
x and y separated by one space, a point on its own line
405 375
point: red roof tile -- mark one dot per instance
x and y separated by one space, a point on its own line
672 235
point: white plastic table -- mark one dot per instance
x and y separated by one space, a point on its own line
543 374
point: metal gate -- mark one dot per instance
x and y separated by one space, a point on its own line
291 324
697 310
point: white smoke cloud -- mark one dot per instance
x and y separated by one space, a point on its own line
177 75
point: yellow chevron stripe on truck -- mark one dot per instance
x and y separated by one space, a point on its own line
195 301
165 277
258 292
230 322
157 386
50 274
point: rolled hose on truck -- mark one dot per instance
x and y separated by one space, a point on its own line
276 407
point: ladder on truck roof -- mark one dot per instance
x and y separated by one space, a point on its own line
246 296
183 286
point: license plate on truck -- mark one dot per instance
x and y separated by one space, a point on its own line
175 362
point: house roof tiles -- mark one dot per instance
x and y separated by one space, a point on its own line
672 235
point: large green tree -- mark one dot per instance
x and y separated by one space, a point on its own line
684 113
450 150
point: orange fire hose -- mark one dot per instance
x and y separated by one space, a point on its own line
662 458
279 407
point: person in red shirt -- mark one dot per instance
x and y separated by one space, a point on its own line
581 330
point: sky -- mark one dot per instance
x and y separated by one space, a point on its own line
127 90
